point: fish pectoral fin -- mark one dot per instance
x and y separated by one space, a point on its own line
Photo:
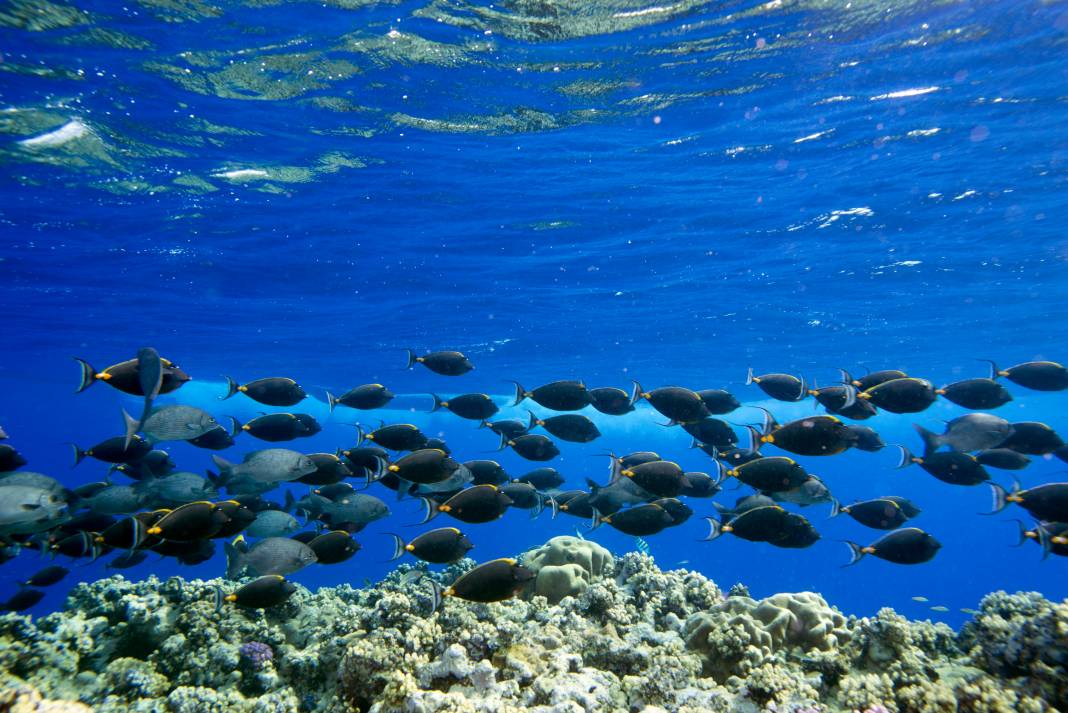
31 506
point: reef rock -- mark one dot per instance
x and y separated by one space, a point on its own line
565 566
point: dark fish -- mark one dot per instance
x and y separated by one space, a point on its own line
811 491
770 474
91 521
1003 459
746 502
639 521
1032 438
155 464
112 450
335 491
797 533
150 376
1045 502
702 485
718 402
486 472
263 593
80 544
192 521
610 400
866 439
679 404
187 553
557 396
477 407
1062 453
442 546
217 439
859 411
906 505
10 459
525 497
835 398
811 436
1036 375
713 432
329 469
125 376
971 432
111 499
334 547
906 546
46 577
271 555
663 478
953 467
510 428
576 502
872 378
1051 536
734 457
759 524
239 517
906 395
607 499
543 478
444 363
366 397
881 513
427 465
305 537
479 503
275 427
438 443
976 393
679 511
572 427
368 457
637 458
22 600
493 581
130 533
534 447
396 437
272 391
128 559
782 387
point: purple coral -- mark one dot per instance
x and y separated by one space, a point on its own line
256 654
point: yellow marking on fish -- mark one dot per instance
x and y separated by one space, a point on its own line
103 376
242 389
410 548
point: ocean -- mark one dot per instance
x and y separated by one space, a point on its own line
607 191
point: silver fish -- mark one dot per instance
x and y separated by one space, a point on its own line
25 509
459 478
810 492
272 523
115 500
971 432
176 488
273 555
356 508
173 423
36 480
617 494
270 465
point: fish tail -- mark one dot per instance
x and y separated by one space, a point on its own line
436 596
994 371
1022 530
235 427
437 403
596 520
846 377
289 502
331 401
906 457
398 547
520 393
749 377
856 553
721 474
1044 540
715 529
231 389
931 440
411 358
430 510
537 509
851 397
79 454
360 435
373 476
836 507
804 390
1000 498
483 424
504 442
217 597
133 425
225 468
754 438
555 506
235 557
533 420
636 393
88 375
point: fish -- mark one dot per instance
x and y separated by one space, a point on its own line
79 544
155 464
1032 438
759 524
1048 501
263 593
940 607
509 427
442 546
664 479
427 465
718 401
356 510
781 387
679 511
622 491
112 450
217 439
679 404
477 504
22 600
953 467
335 491
125 376
920 599
271 555
46 577
810 436
365 398
976 393
712 431
192 521
1003 459
485 472
641 545
334 547
872 378
770 474
3 434
10 459
1052 537
275 427
880 513
493 581
542 478
610 400
525 497
797 533
271 465
734 457
26 509
641 520
701 485
172 423
128 559
556 396
396 437
150 376
971 432
909 545
1034 375
271 391
810 492
445 363
573 502
273 523
112 499
532 446
572 427
329 469
187 553
835 399
866 439
905 395
477 407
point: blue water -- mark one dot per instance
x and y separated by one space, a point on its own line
602 191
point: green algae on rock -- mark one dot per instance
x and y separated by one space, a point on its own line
632 638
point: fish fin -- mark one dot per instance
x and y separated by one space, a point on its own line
331 401
360 435
1000 498
715 529
845 376
398 547
532 422
754 438
149 374
437 402
1044 540
719 507
596 520
804 389
234 560
520 393
436 596
231 388
404 487
504 443
994 371
856 553
132 427
851 396
931 440
537 509
79 455
1022 532
836 507
555 507
217 596
290 501
411 358
749 377
430 510
594 487
906 457
636 392
88 375
225 467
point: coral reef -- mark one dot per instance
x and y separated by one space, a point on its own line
630 637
